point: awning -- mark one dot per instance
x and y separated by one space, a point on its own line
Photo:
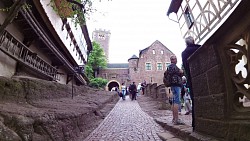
174 6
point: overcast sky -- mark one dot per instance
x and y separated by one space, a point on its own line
135 25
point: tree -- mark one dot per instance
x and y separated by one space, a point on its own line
96 60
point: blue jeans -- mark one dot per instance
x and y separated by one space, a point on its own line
123 94
176 94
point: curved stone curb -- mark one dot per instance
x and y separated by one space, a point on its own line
183 131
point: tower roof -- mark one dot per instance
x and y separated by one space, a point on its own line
133 57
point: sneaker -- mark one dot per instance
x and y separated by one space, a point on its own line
178 122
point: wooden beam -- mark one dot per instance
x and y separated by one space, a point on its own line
15 8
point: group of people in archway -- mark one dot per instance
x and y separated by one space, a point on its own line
179 86
133 91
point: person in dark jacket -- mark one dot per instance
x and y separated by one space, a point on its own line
133 90
191 47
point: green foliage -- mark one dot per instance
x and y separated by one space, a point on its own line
96 60
98 82
89 71
24 6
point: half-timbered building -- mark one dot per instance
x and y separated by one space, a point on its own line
220 68
39 43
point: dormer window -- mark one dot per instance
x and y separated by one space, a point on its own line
162 51
189 18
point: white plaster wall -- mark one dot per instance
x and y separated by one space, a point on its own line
62 77
7 65
40 53
57 25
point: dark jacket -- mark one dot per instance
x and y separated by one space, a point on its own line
190 49
132 88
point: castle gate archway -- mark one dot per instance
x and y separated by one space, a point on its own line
111 84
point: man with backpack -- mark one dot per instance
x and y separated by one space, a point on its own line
172 78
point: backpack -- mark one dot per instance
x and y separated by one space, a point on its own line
167 78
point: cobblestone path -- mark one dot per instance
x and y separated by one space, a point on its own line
126 122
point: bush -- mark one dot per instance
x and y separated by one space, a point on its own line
98 82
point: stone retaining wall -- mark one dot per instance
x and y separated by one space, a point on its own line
156 92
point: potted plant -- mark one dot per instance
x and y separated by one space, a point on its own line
63 8
74 9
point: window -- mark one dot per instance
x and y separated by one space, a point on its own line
153 51
167 64
148 66
101 36
162 52
159 66
112 76
189 18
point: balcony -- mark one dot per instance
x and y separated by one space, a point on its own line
21 53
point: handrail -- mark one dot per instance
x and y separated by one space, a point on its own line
18 51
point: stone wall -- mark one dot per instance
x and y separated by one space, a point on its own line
216 86
157 92
38 110
209 92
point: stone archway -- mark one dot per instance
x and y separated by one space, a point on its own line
111 84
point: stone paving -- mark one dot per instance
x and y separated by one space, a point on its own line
127 122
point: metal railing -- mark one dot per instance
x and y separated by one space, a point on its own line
18 51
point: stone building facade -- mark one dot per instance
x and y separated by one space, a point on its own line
149 66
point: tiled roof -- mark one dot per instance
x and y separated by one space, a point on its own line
133 57
117 65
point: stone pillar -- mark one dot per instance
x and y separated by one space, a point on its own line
153 92
161 93
148 89
162 97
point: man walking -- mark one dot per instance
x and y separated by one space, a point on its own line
175 84
132 89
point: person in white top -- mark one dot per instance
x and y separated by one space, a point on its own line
187 101
138 89
113 89
123 91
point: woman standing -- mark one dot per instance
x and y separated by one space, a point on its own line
123 91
